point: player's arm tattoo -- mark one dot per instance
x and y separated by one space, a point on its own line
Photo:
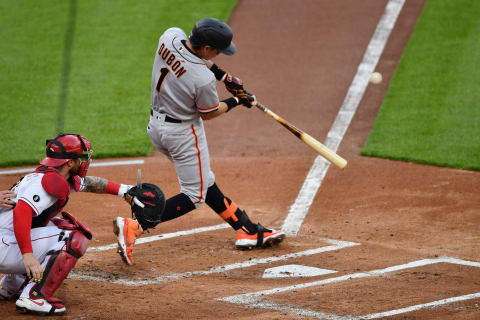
95 184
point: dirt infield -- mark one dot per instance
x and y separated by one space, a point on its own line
415 226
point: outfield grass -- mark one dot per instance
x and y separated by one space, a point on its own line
108 83
431 113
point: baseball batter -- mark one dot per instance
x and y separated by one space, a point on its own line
37 249
183 96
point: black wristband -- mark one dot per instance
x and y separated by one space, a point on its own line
219 73
231 103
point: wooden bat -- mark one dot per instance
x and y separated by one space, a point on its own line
139 178
139 185
309 140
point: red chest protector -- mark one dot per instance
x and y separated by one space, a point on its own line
57 186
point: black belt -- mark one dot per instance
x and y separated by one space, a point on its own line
167 118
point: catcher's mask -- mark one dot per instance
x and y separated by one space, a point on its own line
68 146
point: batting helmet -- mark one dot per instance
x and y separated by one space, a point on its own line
214 33
66 147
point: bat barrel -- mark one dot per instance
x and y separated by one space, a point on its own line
306 138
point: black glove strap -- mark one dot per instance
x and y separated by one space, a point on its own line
219 73
260 231
245 99
231 103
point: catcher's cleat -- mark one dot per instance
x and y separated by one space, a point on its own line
126 230
40 306
262 238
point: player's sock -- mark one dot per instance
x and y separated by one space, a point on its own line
177 206
228 210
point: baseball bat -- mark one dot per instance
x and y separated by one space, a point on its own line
306 138
139 178
139 185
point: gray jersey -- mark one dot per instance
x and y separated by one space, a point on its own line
182 85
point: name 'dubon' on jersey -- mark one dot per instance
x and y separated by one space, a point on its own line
171 61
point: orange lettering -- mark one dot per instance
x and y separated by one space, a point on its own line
170 59
160 49
165 53
180 72
175 66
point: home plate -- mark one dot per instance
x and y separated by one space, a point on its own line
295 270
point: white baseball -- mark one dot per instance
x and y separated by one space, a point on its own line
376 78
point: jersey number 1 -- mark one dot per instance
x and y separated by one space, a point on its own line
163 74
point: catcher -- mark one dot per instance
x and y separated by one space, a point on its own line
38 249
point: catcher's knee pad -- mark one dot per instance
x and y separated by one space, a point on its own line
228 210
76 244
60 264
69 222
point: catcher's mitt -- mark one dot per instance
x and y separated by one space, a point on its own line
147 203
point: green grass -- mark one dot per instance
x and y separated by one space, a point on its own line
431 113
108 92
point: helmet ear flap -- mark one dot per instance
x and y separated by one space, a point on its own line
87 148
84 168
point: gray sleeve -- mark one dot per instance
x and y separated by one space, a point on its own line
207 97
175 30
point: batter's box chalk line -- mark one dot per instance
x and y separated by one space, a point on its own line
103 277
299 209
258 299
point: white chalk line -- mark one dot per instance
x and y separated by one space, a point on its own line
335 245
298 211
94 164
433 304
320 315
255 299
162 237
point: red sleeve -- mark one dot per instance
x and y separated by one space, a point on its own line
112 188
56 185
22 224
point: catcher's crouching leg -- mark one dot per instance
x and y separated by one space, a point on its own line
249 234
37 297
59 266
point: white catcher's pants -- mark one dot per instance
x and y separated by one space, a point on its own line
44 239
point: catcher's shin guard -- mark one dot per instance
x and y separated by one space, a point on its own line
60 264
229 211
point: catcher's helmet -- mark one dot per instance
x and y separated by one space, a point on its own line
66 147
214 33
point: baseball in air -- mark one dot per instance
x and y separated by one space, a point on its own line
376 78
